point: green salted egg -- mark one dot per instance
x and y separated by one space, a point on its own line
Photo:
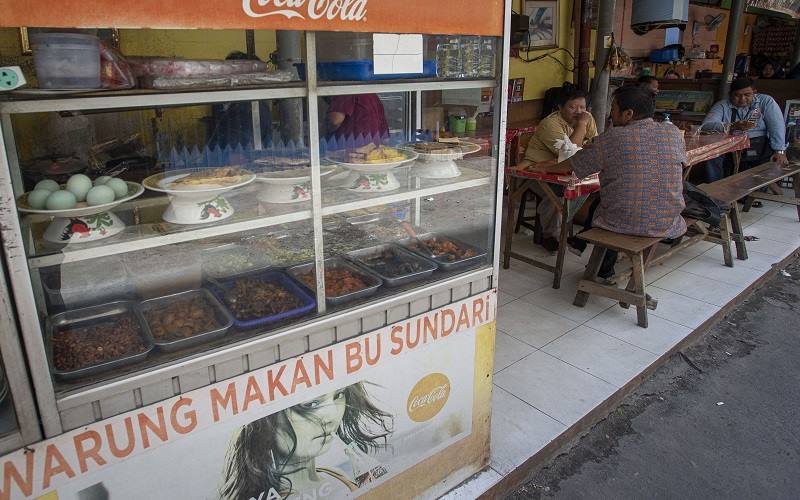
102 180
119 186
38 198
48 184
61 200
99 195
79 185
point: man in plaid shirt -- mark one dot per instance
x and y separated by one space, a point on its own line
640 164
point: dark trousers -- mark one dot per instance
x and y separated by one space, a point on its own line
722 166
607 267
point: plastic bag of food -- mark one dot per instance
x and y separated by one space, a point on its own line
566 148
192 68
115 72
221 81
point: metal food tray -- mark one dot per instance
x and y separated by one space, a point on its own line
428 266
372 280
87 317
223 316
226 249
219 288
444 264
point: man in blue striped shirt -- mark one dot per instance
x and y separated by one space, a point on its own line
759 116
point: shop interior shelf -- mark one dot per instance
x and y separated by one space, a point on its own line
148 98
146 229
144 98
419 84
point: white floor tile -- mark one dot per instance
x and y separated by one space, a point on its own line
656 272
522 278
508 350
680 258
531 324
504 298
755 260
751 217
699 287
770 247
789 225
518 431
602 355
785 211
681 309
560 301
660 335
572 263
554 387
790 233
709 267
475 486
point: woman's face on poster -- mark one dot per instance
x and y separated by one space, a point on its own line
314 423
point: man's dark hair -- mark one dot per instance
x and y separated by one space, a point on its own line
646 80
637 99
570 92
741 83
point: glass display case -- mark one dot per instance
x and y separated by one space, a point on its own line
160 240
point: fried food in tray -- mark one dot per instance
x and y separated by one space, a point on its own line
251 298
182 319
80 347
221 176
443 248
338 282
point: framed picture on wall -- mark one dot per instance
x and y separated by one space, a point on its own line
543 27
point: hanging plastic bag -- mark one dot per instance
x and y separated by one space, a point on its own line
566 148
115 72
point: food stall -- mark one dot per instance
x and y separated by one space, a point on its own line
214 284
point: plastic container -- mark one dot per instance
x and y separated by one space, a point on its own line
365 258
66 60
335 46
222 315
89 316
372 281
163 271
664 55
220 288
458 125
361 70
86 283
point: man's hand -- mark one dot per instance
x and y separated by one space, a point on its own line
541 166
742 125
780 159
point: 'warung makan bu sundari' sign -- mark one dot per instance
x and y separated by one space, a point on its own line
474 17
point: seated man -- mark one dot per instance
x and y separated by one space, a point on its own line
759 116
571 120
640 163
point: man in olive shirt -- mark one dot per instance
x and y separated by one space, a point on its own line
575 122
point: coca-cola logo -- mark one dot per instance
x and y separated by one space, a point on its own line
344 10
428 397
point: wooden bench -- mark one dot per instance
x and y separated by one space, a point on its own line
746 185
639 250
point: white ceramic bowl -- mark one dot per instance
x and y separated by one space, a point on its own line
199 204
287 186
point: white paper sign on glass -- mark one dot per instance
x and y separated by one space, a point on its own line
395 54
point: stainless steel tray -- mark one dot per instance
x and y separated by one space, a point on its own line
87 317
444 263
223 317
372 280
427 266
258 260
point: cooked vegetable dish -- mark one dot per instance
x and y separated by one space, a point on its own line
76 348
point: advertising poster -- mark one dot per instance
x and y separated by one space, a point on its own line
332 423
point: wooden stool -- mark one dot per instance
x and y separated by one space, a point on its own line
639 249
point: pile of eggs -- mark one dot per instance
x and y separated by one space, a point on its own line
47 194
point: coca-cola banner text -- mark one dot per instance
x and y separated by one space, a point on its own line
333 423
482 17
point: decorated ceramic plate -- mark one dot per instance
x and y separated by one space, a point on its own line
195 180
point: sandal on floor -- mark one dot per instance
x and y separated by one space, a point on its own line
757 204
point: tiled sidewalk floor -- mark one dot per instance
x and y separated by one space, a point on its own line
555 362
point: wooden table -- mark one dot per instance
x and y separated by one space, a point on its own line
698 149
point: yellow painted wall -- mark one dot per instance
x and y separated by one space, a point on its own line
543 74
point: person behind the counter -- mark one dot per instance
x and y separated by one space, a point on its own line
640 162
756 114
573 120
352 115
649 83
